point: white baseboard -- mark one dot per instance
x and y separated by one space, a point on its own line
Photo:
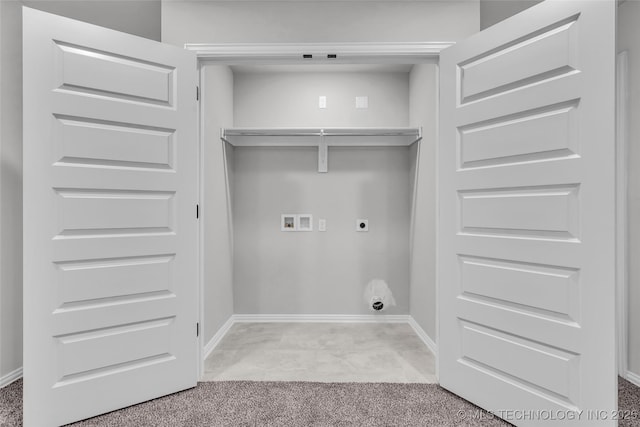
215 340
5 380
323 318
426 339
633 378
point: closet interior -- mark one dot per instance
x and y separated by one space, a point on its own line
330 145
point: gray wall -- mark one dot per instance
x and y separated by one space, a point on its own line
217 104
320 272
135 17
423 112
138 17
494 11
268 99
10 187
628 39
317 21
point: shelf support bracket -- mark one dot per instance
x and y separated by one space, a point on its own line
223 136
419 137
323 154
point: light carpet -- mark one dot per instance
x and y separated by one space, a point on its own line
321 352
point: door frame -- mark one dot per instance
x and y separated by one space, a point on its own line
291 53
385 53
622 240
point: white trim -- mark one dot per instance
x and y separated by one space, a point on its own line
622 141
322 318
437 208
215 340
292 52
426 339
10 377
633 378
201 225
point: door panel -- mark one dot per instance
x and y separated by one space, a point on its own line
82 69
541 134
110 233
509 66
108 144
526 243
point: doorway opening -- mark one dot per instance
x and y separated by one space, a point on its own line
347 138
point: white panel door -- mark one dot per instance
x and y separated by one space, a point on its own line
526 243
109 219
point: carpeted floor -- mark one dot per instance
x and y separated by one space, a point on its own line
628 404
246 403
11 404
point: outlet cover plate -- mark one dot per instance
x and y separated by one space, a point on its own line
288 222
305 222
362 224
362 102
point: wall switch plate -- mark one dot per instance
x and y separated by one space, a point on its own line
362 102
362 225
322 102
322 224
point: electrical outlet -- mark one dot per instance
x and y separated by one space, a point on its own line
362 102
322 224
322 102
362 225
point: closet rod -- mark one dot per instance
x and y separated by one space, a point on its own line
321 132
323 136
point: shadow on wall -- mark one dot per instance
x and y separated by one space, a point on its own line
494 11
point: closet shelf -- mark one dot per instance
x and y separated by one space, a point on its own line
321 138
305 137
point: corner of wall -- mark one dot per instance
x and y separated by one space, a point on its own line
423 112
633 378
10 377
217 106
10 189
628 36
494 11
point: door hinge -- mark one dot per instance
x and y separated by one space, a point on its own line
197 93
197 211
197 329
